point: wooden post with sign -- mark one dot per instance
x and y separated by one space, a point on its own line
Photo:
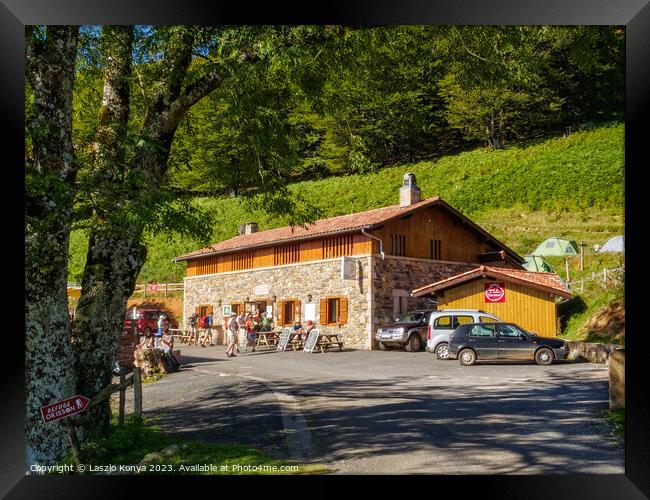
74 443
137 392
122 396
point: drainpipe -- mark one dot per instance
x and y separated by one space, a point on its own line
381 243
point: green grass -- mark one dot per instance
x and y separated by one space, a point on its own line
130 443
571 187
616 419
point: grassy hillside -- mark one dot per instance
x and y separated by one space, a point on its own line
571 187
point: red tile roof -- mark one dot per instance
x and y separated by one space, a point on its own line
334 225
549 282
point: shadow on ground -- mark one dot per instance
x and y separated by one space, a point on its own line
529 427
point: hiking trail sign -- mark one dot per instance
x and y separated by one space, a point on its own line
65 408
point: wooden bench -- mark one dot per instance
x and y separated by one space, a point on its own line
325 345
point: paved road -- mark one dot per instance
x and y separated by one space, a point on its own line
395 412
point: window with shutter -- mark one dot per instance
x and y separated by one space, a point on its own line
323 311
280 312
343 317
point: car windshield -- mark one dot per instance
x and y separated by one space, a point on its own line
410 317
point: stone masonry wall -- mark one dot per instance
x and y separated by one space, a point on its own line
320 279
406 274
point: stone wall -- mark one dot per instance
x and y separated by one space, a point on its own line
319 279
406 274
591 351
617 379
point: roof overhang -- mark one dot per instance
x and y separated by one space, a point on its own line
480 273
433 202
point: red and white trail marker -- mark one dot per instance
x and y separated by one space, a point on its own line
65 408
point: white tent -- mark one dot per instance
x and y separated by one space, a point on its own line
615 244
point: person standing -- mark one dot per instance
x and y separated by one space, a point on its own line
194 330
250 331
233 329
159 332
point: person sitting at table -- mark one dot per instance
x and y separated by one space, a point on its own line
250 331
167 345
306 331
266 324
148 342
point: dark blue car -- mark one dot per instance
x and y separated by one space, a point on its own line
494 341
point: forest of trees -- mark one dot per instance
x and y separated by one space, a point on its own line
125 124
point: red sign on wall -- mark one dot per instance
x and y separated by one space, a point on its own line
495 292
64 408
153 287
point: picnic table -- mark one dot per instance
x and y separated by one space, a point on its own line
327 340
269 339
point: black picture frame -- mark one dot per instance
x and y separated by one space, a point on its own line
633 14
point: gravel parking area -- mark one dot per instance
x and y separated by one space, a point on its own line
395 412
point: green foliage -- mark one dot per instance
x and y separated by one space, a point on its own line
575 191
616 419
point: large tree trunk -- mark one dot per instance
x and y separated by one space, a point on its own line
50 176
115 255
112 266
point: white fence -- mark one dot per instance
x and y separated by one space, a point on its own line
157 288
609 277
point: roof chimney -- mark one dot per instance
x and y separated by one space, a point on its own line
409 193
248 228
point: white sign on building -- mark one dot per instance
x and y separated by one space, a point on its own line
261 290
348 268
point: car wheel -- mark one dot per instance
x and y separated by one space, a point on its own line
544 356
467 357
414 343
442 351
147 331
383 347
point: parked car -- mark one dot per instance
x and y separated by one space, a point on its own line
409 331
442 323
489 341
147 320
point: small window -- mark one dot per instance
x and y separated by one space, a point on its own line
443 322
289 308
152 315
482 331
462 320
509 331
487 319
334 311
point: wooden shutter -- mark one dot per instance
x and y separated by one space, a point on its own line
280 306
197 310
323 311
343 317
208 310
297 315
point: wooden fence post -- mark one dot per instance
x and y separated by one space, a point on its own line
74 441
122 396
137 392
605 276
165 289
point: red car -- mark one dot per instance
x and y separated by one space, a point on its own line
147 320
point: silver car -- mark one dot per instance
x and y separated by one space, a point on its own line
442 323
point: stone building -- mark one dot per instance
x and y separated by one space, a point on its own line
349 273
